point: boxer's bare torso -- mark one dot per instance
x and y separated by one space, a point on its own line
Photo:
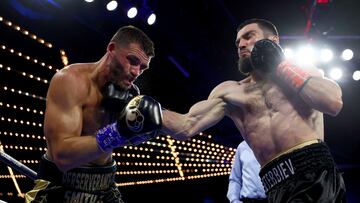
88 100
271 120
73 105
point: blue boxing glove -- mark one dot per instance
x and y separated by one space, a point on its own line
140 121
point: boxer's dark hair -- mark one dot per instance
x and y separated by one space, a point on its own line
265 25
130 34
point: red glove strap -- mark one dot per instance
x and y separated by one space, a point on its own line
292 75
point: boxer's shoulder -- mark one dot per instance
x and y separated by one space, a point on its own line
70 82
75 74
246 80
226 88
226 85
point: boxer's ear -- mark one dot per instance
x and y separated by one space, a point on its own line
111 48
275 39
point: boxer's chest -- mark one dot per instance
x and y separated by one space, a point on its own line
268 98
93 119
94 115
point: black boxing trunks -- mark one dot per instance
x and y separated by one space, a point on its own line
308 174
81 185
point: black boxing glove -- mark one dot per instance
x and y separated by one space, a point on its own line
268 56
115 98
140 121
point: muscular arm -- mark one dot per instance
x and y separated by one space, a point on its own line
318 92
63 123
323 95
201 116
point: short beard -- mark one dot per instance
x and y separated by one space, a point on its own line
117 72
244 65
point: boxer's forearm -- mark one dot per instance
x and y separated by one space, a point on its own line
73 152
201 116
318 92
323 95
173 124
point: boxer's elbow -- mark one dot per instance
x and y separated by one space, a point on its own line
190 127
328 102
61 162
335 107
335 102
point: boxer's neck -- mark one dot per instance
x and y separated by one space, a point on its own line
101 71
257 76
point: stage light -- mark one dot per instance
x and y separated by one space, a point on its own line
347 54
321 71
336 73
356 75
289 54
12 51
25 32
112 5
326 55
5 88
132 12
89 1
305 55
151 19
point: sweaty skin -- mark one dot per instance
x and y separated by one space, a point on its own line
73 108
270 116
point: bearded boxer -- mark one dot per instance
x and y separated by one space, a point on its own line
279 110
92 108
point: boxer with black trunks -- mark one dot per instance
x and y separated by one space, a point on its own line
92 108
278 110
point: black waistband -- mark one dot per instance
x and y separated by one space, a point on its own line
311 157
89 179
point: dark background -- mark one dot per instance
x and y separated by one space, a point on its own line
197 35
